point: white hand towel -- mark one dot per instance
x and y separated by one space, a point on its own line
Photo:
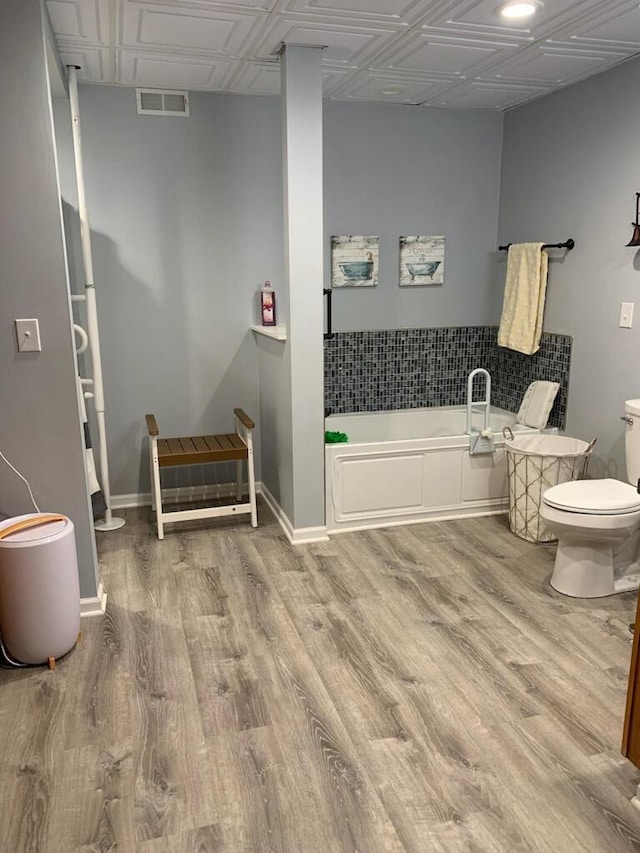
537 404
524 293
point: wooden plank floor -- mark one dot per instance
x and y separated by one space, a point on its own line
409 689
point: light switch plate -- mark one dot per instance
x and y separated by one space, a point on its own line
28 335
626 315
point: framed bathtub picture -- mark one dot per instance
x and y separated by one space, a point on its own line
421 261
354 261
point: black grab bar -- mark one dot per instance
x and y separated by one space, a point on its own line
329 333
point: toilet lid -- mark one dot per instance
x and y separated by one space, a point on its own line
600 497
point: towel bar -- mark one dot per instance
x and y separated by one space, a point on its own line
568 244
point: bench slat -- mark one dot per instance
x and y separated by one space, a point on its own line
200 450
223 442
187 445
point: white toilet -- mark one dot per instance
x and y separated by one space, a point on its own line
597 523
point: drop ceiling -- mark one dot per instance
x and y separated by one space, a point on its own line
449 53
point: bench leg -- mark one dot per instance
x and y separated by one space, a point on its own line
239 480
156 493
153 491
252 482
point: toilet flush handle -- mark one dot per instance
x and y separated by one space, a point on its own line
627 420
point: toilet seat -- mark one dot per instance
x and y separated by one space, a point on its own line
575 523
593 497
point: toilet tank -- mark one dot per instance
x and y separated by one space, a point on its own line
632 440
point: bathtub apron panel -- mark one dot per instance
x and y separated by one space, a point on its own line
411 466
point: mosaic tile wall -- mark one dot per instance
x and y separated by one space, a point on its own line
416 368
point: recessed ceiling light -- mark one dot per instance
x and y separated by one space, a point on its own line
519 9
392 90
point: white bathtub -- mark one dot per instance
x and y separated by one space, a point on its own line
412 465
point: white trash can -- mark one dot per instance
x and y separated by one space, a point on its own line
39 587
534 464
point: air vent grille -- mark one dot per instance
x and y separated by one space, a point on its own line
162 102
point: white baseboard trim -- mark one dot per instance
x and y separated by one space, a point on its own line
179 494
95 606
129 501
296 536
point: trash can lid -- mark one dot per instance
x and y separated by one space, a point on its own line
599 497
32 528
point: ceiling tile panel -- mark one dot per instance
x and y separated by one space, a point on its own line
332 78
435 54
263 78
484 16
80 20
478 96
617 27
146 69
346 44
443 58
372 10
182 31
185 28
65 18
591 13
368 86
548 65
257 78
93 61
222 5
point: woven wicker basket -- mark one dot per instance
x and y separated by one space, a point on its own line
534 464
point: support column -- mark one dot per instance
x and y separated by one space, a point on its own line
301 84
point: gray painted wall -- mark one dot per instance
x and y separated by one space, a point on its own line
39 429
187 222
186 216
570 169
395 170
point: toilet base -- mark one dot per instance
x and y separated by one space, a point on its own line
590 569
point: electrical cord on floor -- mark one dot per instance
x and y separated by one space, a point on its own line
6 660
24 480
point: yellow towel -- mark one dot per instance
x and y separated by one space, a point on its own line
524 292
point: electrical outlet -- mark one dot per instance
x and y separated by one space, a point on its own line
28 335
626 315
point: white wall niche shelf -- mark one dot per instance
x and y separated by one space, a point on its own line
278 333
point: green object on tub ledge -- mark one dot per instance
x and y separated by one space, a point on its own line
335 437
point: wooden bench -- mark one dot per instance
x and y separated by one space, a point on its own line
200 450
